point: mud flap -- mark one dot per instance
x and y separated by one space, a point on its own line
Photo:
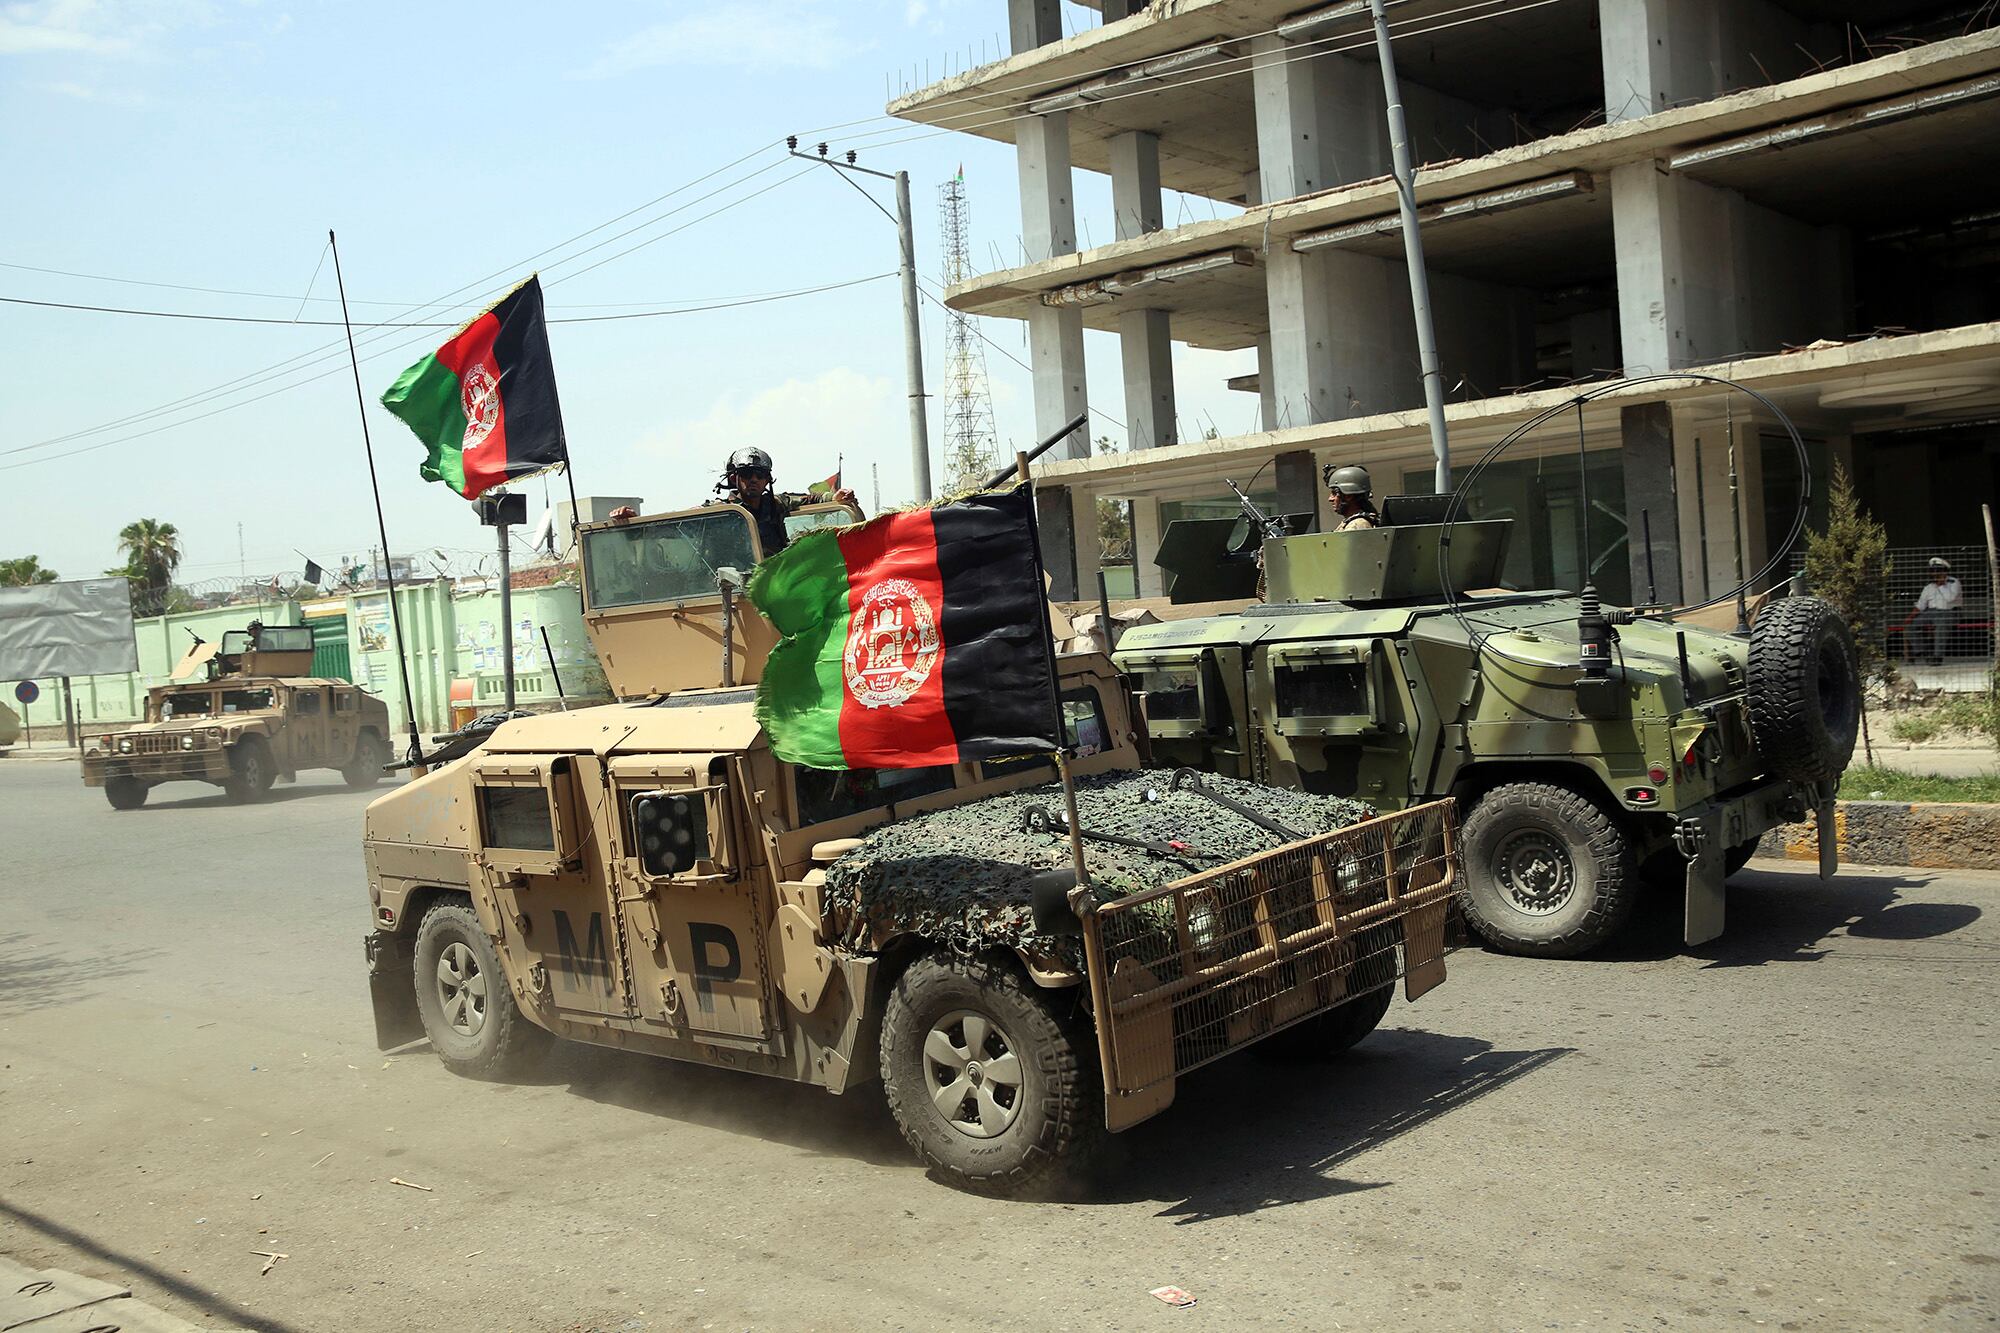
392 991
1705 873
1829 839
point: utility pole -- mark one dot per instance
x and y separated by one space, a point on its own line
1413 250
501 509
913 339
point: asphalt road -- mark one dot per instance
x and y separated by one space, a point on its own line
1791 1128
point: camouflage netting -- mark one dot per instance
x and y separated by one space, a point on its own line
960 876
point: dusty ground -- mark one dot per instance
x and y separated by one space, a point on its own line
1790 1128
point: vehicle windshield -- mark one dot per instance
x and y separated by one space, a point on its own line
838 516
270 639
187 703
245 701
667 560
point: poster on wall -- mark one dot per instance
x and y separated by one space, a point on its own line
74 627
375 634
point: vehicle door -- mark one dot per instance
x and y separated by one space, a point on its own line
343 732
1335 719
539 875
692 911
306 727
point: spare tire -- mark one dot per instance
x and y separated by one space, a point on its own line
1805 689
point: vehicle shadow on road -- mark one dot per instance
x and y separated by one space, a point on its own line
34 977
1248 1135
198 799
854 1125
1787 916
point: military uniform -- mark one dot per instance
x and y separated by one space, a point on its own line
1357 523
770 516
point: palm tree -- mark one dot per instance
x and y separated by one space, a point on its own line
152 554
25 571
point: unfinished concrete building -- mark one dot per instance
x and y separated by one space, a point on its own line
1802 195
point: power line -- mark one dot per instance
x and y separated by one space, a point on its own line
977 333
724 304
331 352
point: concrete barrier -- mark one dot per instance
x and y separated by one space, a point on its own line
1897 833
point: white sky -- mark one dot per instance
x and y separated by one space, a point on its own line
210 144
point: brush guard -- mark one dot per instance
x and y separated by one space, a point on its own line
1189 972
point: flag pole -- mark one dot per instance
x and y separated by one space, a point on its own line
1070 815
569 471
381 525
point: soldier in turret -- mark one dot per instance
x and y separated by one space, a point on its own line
1348 491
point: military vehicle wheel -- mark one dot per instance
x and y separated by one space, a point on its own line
125 793
1548 872
463 999
251 771
1804 689
370 754
994 1088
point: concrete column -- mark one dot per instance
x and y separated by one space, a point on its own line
1121 9
1301 386
1041 156
1703 273
1048 223
1660 54
1057 522
1298 484
1055 352
1674 273
1267 400
1033 23
1146 530
1083 521
1292 157
1647 437
1148 355
1135 184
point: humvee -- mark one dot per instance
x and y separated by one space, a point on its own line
646 875
254 716
1587 749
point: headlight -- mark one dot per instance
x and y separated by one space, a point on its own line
1204 924
125 745
187 742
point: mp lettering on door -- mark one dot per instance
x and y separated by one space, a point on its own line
587 969
724 1001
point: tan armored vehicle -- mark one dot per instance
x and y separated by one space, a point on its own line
254 715
646 875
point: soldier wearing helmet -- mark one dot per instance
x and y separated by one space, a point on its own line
1348 490
746 481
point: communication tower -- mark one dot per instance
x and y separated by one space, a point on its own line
971 444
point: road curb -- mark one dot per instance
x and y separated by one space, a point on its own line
1933 835
57 1299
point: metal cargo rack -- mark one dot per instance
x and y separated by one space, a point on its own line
1186 973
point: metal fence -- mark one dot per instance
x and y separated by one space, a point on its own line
1951 650
1188 972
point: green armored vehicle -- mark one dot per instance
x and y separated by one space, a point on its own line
1588 748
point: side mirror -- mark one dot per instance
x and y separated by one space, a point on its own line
672 831
1049 893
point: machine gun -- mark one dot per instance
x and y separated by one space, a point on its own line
1267 524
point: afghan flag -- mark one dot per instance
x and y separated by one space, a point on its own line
484 404
918 638
827 487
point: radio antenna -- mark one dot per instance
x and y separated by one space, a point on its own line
415 756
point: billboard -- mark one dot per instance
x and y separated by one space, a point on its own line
82 627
